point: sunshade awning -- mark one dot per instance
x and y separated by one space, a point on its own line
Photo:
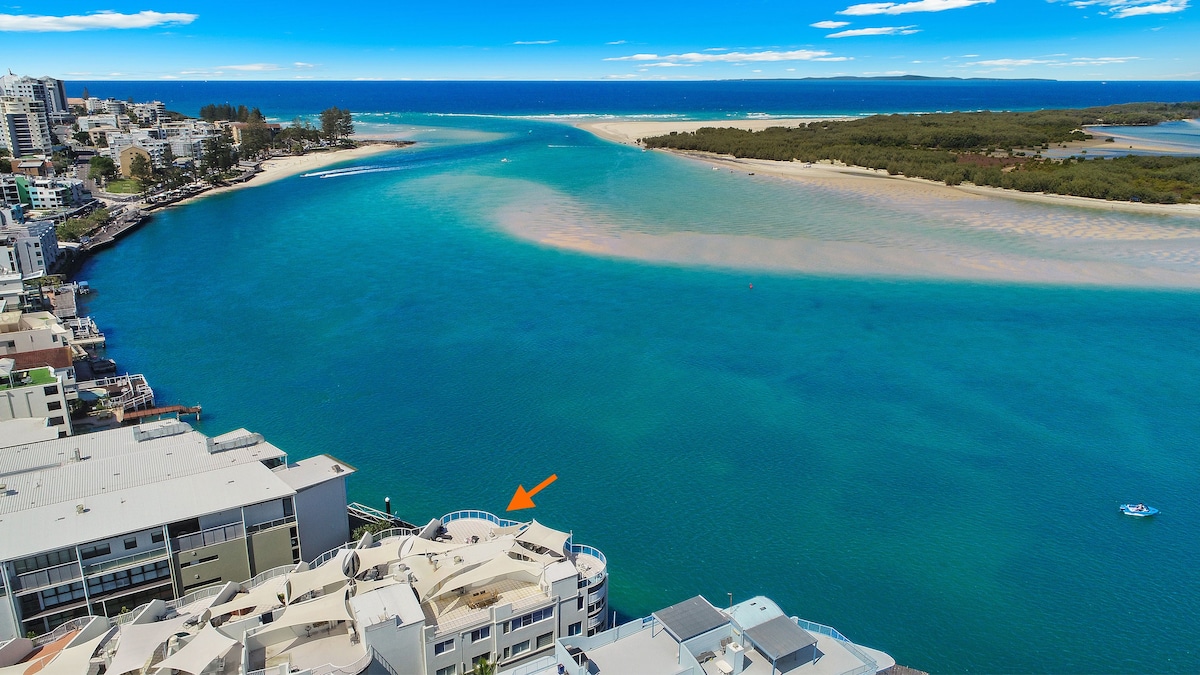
264 596
690 618
545 537
333 571
329 607
138 642
74 660
377 555
195 656
497 567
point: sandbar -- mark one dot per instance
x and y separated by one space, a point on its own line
628 133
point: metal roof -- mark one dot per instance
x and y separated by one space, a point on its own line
779 637
85 488
690 618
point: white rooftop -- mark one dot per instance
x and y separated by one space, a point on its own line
124 480
25 430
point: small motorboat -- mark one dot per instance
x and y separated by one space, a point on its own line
1138 510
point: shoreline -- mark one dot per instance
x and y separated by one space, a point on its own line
628 133
278 168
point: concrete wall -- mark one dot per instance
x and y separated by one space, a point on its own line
321 517
401 646
270 548
231 563
264 512
33 401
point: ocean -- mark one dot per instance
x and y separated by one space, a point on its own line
932 466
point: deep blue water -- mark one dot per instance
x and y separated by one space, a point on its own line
933 468
735 98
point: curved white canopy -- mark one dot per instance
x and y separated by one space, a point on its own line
333 571
265 596
138 642
74 660
502 566
377 555
545 537
195 656
328 607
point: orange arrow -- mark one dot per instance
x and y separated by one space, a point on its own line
523 499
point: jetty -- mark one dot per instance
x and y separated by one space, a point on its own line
136 416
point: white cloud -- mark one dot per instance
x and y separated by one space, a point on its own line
834 59
730 57
1123 9
301 64
535 42
616 42
1053 63
829 25
252 67
885 30
98 21
668 64
873 8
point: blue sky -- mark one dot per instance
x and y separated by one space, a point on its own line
619 39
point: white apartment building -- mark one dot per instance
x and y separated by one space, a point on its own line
693 637
108 105
97 523
89 122
30 248
431 601
37 393
152 112
24 126
48 90
50 194
146 139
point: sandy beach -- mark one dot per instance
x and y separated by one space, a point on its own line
278 168
858 178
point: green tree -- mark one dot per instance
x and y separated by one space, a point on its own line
336 124
61 162
101 168
140 168
256 137
82 137
484 667
5 164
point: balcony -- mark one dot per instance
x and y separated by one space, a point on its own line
259 527
47 578
213 535
127 561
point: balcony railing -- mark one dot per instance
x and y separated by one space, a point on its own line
259 527
193 597
73 624
869 664
50 576
213 535
117 563
351 669
480 515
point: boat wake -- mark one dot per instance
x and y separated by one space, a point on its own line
351 171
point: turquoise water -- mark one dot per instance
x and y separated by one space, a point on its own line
933 468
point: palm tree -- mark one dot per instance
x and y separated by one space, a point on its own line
484 667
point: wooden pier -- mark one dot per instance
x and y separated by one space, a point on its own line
139 415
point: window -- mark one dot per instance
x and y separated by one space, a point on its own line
54 405
532 617
580 602
575 628
522 646
481 633
38 562
544 640
448 670
130 543
443 647
157 537
94 551
55 421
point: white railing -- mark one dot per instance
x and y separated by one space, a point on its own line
479 515
195 596
73 624
584 549
351 669
269 574
259 527
869 664
213 535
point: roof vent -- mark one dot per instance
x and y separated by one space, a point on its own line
148 432
79 508
243 441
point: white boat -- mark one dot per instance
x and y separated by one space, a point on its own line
1138 510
